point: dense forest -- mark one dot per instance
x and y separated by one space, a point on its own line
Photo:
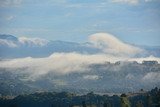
65 99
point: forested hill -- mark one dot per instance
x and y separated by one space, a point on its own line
64 99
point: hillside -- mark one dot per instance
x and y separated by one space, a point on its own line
64 99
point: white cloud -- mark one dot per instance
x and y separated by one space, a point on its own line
150 58
8 43
103 41
150 0
152 77
111 45
62 64
33 41
9 18
59 63
24 41
91 77
133 2
10 3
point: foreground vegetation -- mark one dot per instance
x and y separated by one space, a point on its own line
64 99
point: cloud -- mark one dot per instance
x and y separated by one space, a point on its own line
91 77
10 3
61 63
111 45
58 63
152 77
150 58
10 17
8 43
150 0
23 41
59 67
105 42
33 41
133 2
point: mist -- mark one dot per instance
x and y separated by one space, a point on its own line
78 69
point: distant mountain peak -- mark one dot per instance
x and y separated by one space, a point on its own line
8 37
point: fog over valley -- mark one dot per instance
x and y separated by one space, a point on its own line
35 64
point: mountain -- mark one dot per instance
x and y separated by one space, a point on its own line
8 37
151 50
99 78
65 99
12 47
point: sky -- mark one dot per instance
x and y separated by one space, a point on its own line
132 21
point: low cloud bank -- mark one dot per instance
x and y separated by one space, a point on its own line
111 45
63 63
60 63
84 71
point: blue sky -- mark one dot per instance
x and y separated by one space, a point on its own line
132 21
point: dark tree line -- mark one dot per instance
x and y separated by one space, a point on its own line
64 99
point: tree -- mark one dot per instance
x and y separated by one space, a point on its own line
149 100
84 104
123 95
70 105
107 104
141 90
140 104
158 98
124 101
13 105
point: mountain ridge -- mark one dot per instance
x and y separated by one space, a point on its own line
41 48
